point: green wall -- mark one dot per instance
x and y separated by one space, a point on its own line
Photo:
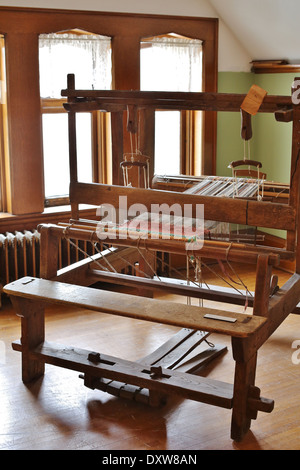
229 143
271 140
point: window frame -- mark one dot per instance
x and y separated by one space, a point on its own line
54 106
101 152
21 28
190 153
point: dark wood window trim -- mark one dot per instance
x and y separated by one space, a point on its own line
21 28
101 146
4 182
274 68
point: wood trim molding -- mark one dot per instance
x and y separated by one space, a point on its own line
12 223
21 27
286 68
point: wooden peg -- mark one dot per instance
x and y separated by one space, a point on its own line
253 99
274 285
257 403
246 128
132 121
284 115
94 357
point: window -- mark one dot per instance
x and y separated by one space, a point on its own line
174 63
25 185
88 56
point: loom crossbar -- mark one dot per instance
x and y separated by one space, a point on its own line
120 99
202 389
255 213
248 332
209 249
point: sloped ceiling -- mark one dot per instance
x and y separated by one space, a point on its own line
267 29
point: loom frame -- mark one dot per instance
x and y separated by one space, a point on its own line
268 310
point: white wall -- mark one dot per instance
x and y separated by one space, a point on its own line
232 55
268 29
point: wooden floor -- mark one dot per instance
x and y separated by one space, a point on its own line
58 412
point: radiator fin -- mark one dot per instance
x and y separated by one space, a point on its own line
20 254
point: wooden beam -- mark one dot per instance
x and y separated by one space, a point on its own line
169 100
208 249
32 334
114 303
284 115
281 304
24 123
262 286
174 286
240 211
202 389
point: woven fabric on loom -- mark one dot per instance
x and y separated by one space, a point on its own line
220 186
157 226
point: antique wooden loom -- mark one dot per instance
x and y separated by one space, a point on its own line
155 376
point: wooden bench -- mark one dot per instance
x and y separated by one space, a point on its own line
30 295
114 303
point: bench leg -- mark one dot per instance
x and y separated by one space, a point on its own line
48 253
32 334
244 380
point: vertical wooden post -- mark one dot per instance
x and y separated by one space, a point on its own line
147 136
244 378
117 146
291 242
24 123
262 286
72 146
126 62
33 334
48 252
245 354
125 58
146 266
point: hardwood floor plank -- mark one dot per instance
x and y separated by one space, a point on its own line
58 412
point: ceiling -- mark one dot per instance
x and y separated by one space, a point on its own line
267 29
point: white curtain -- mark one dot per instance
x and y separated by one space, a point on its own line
171 64
88 56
